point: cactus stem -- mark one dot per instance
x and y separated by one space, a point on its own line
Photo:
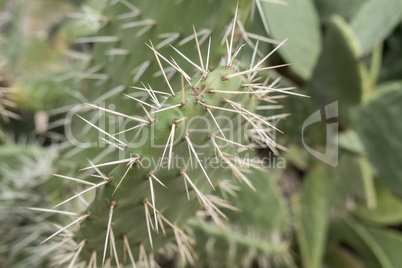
109 225
186 136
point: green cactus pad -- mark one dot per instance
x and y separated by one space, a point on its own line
178 154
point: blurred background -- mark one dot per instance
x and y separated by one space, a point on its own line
337 200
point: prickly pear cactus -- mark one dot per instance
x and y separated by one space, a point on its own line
170 168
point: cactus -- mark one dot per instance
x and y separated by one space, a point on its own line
189 123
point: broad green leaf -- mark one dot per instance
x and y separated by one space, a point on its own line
392 58
347 231
311 215
339 74
350 141
388 210
375 21
377 247
378 125
298 21
353 178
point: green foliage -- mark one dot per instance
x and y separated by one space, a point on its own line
353 178
388 210
345 8
339 74
298 21
376 246
376 125
311 217
374 22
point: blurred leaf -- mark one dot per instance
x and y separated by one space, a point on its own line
298 156
299 21
392 85
311 213
339 257
392 59
344 8
388 210
375 66
350 141
353 178
338 75
378 127
377 247
375 21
